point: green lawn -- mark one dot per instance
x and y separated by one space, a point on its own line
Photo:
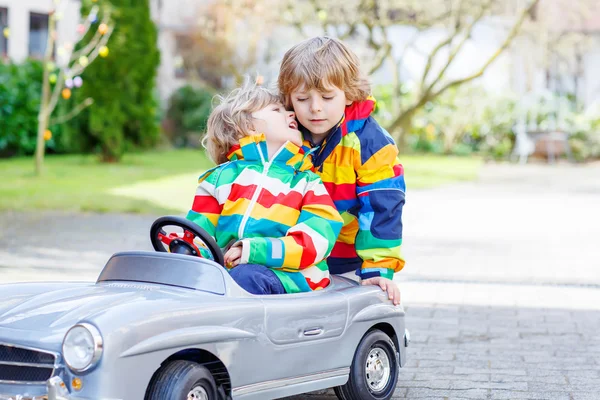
157 182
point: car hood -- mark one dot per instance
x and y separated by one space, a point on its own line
57 307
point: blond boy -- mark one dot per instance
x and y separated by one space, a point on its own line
264 197
320 80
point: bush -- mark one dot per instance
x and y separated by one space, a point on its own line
20 94
188 112
20 90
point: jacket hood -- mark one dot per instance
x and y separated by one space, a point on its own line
254 148
354 118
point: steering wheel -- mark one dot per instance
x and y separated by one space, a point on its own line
183 244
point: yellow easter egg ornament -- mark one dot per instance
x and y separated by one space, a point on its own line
103 51
83 60
66 94
102 29
52 78
47 135
6 32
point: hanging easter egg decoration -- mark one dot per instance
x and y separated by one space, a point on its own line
50 66
69 83
322 14
47 135
103 51
68 46
81 29
6 32
52 78
102 29
83 60
93 17
77 81
66 94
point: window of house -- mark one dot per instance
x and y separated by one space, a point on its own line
4 31
38 35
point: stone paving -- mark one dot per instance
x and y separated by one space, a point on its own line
501 289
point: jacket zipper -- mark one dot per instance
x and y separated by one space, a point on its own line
254 199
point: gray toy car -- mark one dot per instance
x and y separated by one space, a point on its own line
160 326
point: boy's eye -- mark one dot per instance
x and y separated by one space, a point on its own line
302 99
276 109
327 97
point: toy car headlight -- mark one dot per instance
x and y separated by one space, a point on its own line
82 347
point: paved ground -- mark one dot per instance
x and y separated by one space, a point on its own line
502 285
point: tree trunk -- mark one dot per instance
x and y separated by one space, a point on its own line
42 124
44 114
400 128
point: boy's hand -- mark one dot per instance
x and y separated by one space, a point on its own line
232 256
387 285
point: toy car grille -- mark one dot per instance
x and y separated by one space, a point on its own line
25 365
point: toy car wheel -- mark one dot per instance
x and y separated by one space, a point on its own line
374 370
182 380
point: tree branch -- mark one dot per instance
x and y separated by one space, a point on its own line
79 68
73 113
513 33
457 49
455 29
90 46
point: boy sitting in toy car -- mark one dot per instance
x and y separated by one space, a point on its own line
263 197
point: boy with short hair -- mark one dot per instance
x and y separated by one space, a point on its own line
264 197
356 158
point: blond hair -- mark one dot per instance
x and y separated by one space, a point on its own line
231 119
318 63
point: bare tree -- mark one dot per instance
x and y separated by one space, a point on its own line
71 64
369 22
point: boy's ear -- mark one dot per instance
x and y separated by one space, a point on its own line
348 102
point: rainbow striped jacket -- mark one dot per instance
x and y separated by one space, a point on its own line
278 208
358 163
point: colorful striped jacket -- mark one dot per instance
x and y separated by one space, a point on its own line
279 209
358 163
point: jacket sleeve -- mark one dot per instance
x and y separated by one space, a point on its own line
381 193
206 209
308 242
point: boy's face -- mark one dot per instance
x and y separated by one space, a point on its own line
319 111
278 125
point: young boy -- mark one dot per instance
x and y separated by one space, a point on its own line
264 197
357 160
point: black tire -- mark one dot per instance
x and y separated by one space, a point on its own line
363 387
177 379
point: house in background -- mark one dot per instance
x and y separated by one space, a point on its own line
24 27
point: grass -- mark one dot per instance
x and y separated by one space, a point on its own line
157 182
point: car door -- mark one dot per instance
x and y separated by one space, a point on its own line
302 326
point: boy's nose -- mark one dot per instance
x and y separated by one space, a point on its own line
315 106
291 114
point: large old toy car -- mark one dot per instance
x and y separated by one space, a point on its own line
162 326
